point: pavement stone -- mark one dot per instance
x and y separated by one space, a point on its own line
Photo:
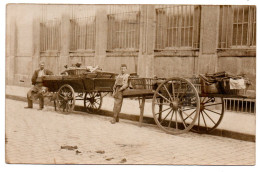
37 136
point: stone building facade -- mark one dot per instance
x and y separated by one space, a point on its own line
161 40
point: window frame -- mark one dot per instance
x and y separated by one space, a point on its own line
195 38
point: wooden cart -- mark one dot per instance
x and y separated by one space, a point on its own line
178 105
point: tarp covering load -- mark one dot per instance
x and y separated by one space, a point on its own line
224 83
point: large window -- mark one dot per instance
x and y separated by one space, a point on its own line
124 28
177 27
83 34
237 27
50 35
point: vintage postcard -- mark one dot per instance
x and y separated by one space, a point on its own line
168 84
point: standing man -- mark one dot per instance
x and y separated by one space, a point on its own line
120 85
36 90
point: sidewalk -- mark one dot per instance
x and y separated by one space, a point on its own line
240 126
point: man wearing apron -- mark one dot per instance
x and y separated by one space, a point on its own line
120 85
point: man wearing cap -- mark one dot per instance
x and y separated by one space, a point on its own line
37 82
121 84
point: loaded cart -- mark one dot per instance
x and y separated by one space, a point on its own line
178 104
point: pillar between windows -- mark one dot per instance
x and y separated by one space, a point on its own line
64 57
147 41
101 36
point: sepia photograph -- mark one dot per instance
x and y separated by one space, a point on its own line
130 84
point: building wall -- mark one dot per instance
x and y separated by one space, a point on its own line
23 45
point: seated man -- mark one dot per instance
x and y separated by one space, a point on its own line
35 92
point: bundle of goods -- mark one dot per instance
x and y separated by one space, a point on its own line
224 83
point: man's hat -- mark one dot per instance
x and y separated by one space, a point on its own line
123 65
41 62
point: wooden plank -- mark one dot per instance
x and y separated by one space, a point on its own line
137 93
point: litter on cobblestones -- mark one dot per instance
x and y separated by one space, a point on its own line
123 160
69 147
101 152
109 159
77 152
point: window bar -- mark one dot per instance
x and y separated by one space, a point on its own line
110 42
44 37
75 35
237 24
86 35
119 33
161 30
185 24
52 35
253 26
94 34
108 32
182 26
89 33
54 38
48 37
129 24
222 31
131 31
168 26
137 28
189 26
198 27
193 24
125 18
177 26
226 33
112 31
242 38
173 21
81 35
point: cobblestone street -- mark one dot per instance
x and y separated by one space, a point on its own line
48 137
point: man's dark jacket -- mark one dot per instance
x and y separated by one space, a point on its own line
35 75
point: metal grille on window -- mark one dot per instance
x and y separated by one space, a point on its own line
123 27
50 34
83 33
177 27
237 27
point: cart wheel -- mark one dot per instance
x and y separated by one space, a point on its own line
175 105
211 114
92 102
65 99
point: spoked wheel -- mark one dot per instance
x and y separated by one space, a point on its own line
175 105
211 114
92 102
65 99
